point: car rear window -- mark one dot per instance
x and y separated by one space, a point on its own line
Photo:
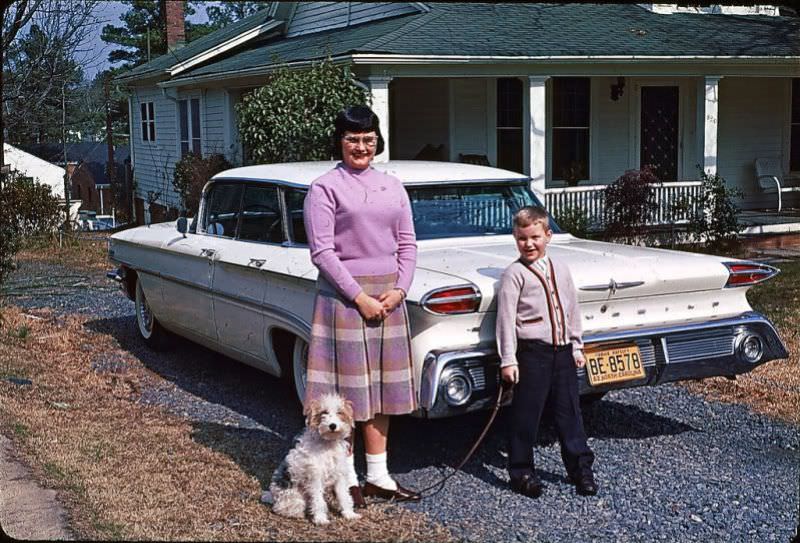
442 211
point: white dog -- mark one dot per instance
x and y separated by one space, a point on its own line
317 462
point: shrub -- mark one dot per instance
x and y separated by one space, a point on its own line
28 209
630 203
192 172
573 220
715 221
291 117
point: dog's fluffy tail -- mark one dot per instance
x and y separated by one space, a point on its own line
287 502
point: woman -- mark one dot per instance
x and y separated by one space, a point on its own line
362 240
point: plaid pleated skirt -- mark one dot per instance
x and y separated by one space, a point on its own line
369 363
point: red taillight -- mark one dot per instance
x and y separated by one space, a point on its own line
451 300
743 274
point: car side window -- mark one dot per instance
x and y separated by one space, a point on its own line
261 215
294 206
222 209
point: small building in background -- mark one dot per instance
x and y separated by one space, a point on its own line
86 164
41 171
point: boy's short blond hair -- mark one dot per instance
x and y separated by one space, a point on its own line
529 215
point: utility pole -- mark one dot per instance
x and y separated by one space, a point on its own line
111 169
67 225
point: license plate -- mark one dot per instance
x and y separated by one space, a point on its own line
613 364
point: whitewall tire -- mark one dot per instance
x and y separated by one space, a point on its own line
148 326
299 367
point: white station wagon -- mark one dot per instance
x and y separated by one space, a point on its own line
241 283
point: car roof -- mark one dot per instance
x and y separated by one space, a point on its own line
408 171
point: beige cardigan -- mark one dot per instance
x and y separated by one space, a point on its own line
526 309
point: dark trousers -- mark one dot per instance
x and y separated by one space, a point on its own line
546 375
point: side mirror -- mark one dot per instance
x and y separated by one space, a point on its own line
182 225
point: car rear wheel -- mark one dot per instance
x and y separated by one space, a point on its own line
149 328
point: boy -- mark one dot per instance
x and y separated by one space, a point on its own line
539 341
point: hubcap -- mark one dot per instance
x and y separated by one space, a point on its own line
143 314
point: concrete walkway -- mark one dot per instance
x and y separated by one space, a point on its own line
27 511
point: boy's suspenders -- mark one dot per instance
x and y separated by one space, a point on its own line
547 297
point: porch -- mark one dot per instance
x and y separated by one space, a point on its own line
573 135
590 201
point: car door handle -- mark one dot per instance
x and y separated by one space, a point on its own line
207 252
257 262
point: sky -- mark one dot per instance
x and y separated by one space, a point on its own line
109 12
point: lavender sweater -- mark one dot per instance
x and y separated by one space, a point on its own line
526 309
359 223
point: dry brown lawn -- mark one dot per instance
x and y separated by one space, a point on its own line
130 471
82 251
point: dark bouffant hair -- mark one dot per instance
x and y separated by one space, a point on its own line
355 119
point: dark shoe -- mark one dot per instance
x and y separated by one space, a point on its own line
585 484
528 485
401 494
358 497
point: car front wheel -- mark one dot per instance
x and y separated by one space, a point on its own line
299 367
149 328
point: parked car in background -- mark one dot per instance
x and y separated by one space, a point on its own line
91 221
241 282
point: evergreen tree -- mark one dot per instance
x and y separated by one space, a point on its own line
230 11
143 35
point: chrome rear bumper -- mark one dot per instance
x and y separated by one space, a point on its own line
675 353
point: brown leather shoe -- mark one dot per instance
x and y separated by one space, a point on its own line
528 485
358 497
401 494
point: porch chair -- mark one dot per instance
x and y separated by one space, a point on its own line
770 177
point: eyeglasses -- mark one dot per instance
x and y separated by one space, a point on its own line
369 141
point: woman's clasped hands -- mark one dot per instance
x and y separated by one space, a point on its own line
373 309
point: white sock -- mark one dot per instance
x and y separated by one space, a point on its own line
378 473
352 475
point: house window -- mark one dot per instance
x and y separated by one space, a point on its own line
571 119
189 116
509 124
794 149
148 121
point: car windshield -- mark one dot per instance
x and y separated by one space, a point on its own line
469 209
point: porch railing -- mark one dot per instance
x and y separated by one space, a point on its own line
590 199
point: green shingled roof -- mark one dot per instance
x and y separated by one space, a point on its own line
162 64
529 30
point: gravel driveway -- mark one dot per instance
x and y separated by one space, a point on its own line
671 466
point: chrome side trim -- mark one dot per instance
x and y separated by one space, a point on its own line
179 280
613 286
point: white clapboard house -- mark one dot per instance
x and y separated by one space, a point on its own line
571 94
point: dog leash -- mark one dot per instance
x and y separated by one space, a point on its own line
502 390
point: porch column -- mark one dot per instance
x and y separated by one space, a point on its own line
710 123
379 88
537 133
